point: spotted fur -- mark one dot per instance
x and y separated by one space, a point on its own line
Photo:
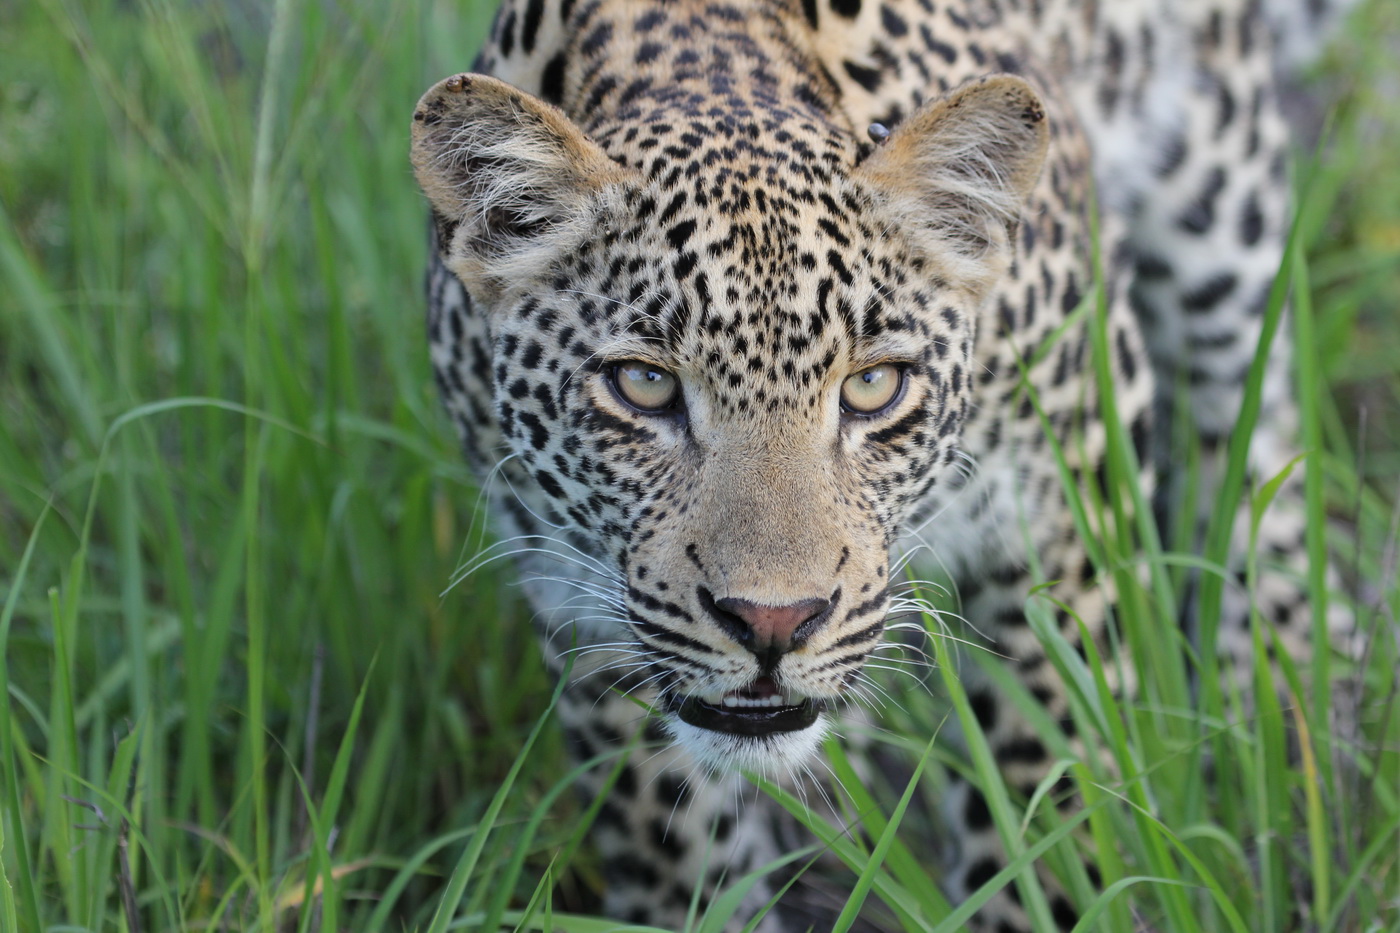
763 199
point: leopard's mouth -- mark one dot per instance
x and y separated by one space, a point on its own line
760 708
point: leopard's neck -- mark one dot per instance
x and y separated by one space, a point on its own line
737 67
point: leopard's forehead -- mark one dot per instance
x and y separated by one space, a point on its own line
753 279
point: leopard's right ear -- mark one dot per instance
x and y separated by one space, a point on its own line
512 181
957 173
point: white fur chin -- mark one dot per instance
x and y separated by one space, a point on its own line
770 756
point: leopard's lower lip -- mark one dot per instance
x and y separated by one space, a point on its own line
745 720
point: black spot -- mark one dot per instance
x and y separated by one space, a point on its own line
626 868
1153 267
1251 220
672 844
894 23
1113 62
1028 750
534 10
549 484
975 812
1226 114
809 9
1065 916
943 50
675 204
507 37
680 233
609 814
552 80
671 790
633 91
578 743
980 872
1140 432
984 707
868 78
1204 297
1173 154
1071 298
847 8
1127 360
605 86
539 436
1012 616
596 40
1200 215
650 20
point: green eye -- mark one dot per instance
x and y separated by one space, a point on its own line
644 386
872 390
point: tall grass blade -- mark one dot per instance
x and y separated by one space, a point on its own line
28 906
457 883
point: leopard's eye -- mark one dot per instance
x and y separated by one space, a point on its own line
645 387
872 390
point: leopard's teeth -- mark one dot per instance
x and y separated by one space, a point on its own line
774 701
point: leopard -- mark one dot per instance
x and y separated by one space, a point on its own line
739 307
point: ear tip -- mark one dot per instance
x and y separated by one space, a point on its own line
457 83
1018 93
450 92
1019 100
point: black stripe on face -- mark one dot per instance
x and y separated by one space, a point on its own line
853 661
653 604
871 632
875 602
668 661
902 428
649 631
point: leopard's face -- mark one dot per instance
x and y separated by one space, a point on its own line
740 431
734 387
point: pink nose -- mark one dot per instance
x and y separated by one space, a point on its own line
776 629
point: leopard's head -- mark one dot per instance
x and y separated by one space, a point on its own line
730 353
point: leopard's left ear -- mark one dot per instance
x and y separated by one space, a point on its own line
957 172
513 182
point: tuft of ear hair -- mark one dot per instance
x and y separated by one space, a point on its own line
957 173
512 181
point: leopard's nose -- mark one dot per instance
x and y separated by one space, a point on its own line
768 631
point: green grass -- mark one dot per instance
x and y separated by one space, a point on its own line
229 505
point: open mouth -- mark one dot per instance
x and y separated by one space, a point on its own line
760 708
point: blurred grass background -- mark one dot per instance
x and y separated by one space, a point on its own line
229 504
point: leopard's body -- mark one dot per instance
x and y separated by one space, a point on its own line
708 207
